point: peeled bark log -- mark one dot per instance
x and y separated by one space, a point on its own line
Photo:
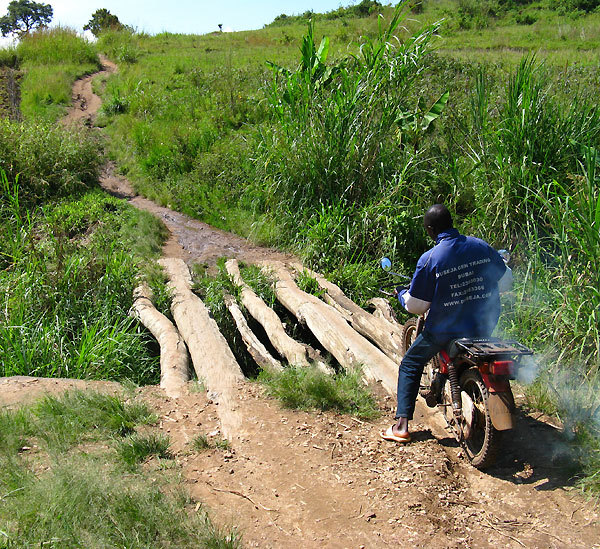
294 352
211 356
349 348
174 362
257 350
383 309
383 333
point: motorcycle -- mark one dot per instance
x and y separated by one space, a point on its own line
469 383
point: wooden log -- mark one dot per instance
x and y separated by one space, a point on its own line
383 309
384 334
294 352
257 350
174 362
349 348
211 356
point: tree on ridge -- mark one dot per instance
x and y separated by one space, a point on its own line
23 16
102 20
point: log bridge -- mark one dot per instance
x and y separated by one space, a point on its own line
356 338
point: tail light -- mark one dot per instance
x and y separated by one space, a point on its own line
502 368
443 362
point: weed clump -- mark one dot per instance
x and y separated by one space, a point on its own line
202 443
76 495
309 389
136 448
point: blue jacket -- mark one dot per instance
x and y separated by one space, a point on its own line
459 277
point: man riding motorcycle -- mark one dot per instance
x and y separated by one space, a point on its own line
457 283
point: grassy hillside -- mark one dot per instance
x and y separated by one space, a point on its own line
70 257
49 61
336 152
65 279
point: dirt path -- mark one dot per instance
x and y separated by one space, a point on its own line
325 480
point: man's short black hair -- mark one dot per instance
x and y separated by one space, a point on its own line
438 217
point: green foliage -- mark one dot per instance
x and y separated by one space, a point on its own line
119 44
363 9
49 160
9 57
52 59
575 5
79 494
23 16
337 125
67 288
115 104
102 20
137 448
260 283
309 388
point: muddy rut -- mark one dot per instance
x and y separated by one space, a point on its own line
293 479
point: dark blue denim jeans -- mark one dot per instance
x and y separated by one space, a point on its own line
420 353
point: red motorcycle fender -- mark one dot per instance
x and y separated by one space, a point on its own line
502 406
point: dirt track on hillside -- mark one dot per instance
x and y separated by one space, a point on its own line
324 480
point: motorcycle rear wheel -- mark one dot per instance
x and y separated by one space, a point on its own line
483 440
409 333
411 329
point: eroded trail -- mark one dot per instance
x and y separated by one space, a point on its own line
293 479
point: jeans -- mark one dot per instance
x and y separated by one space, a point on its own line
411 368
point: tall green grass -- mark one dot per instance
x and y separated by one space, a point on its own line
51 60
48 160
64 484
67 288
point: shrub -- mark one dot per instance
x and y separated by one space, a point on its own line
55 46
309 388
50 160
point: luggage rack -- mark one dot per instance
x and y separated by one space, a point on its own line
492 347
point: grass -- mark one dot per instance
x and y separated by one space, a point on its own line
311 389
48 160
201 443
137 448
77 416
70 490
51 60
67 288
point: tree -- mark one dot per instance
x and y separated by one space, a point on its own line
24 16
102 20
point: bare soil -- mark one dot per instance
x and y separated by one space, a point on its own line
307 480
313 480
